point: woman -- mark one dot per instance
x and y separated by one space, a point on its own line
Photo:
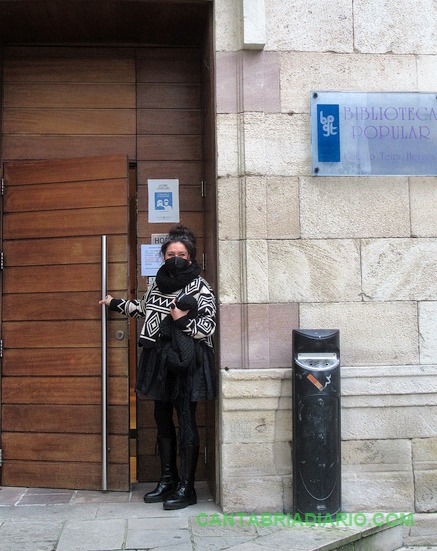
176 367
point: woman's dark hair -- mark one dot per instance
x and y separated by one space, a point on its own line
181 234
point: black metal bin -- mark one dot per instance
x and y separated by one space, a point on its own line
316 422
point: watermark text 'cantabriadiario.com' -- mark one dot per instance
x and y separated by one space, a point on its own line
288 520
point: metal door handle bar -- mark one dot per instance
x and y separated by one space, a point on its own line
104 367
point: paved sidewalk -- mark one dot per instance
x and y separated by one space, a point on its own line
74 520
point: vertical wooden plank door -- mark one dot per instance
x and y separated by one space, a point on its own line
54 213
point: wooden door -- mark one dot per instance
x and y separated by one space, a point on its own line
54 213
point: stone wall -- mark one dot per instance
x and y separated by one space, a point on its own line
355 253
389 439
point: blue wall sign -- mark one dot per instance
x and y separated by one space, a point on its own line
392 134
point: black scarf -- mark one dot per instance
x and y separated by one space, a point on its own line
168 284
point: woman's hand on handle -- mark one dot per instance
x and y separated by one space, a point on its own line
106 300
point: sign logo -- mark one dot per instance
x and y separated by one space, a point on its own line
163 200
328 133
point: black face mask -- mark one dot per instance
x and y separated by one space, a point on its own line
176 264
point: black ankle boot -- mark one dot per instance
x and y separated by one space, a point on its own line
185 493
169 474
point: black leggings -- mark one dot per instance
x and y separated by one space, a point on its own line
164 421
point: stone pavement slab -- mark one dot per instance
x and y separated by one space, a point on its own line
29 536
149 539
92 535
48 513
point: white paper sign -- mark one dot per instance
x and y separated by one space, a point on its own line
163 201
151 259
158 238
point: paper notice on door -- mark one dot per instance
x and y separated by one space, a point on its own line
151 259
163 201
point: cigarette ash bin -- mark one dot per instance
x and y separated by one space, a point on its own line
316 422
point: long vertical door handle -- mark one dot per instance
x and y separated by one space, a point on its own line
104 366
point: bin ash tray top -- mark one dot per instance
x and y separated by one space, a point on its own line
317 361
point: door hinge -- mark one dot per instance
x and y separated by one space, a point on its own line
203 188
203 261
206 455
2 260
3 186
1 457
1 348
